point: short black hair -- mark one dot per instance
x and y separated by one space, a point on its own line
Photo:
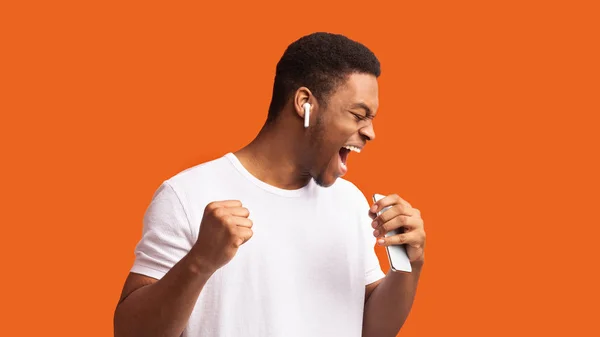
320 62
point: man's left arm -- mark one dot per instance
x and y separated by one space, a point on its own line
389 300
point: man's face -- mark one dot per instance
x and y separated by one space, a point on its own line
346 121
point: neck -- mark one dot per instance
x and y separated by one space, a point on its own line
274 156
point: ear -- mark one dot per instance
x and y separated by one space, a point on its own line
302 96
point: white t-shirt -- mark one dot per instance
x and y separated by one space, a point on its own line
302 274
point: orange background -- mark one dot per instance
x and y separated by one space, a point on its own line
488 123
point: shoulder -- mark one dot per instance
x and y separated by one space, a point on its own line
201 175
175 201
200 170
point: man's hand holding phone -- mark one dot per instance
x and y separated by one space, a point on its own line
406 222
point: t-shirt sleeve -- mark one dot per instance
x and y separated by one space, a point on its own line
373 270
166 236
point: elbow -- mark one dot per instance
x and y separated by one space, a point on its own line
119 324
116 324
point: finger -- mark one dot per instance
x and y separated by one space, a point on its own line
244 234
230 203
238 211
224 203
243 222
401 223
236 221
389 200
411 238
405 203
388 215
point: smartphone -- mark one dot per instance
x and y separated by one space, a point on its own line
396 253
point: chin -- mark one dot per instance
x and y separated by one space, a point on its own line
325 181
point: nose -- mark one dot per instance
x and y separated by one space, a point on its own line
368 132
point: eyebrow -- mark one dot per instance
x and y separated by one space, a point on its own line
362 106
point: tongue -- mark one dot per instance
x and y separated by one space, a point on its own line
343 156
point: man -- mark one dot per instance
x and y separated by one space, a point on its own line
269 240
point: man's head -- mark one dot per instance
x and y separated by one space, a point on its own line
338 77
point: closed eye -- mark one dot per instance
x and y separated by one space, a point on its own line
360 117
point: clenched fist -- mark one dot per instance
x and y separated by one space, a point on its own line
224 228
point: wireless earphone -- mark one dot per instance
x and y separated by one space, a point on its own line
306 107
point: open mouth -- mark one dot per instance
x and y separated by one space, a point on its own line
344 152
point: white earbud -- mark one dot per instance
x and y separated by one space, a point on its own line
306 107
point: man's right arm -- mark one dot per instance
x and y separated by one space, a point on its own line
150 307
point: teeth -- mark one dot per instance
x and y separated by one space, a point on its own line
352 148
